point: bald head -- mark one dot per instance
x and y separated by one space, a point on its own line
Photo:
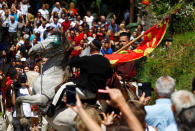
12 19
58 4
103 19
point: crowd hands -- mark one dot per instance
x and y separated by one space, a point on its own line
20 30
172 111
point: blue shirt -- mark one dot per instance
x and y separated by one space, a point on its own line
114 29
109 51
172 127
13 26
160 115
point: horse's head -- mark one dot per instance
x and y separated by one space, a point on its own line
51 46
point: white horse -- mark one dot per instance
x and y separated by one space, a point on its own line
56 48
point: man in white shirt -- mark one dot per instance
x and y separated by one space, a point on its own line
5 18
18 11
1 12
56 25
89 19
17 92
41 29
57 8
24 8
12 28
44 12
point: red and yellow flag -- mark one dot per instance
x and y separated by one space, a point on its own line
151 39
145 2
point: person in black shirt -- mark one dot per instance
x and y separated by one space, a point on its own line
94 71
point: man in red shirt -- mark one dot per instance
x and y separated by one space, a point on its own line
72 35
66 24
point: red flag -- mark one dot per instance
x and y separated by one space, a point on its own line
146 2
151 39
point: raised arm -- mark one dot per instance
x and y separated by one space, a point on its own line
89 122
117 97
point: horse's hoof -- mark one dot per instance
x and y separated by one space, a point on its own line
24 122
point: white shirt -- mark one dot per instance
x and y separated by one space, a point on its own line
26 106
24 9
13 26
5 21
58 10
44 13
73 23
20 43
19 12
2 13
57 26
41 29
89 21
51 19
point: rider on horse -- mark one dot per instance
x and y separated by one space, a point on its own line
94 71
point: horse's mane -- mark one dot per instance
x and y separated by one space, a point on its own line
31 77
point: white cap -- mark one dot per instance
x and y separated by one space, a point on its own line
23 59
47 25
52 25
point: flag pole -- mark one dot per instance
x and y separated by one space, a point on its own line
125 46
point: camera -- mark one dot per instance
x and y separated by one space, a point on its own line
71 95
103 94
145 87
21 79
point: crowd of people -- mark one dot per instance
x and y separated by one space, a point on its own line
20 30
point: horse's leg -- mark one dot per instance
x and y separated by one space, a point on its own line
34 99
20 113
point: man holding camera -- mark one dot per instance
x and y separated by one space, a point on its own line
21 88
160 114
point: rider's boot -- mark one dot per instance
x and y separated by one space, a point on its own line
51 110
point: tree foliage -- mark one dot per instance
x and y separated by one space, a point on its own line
176 61
182 21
